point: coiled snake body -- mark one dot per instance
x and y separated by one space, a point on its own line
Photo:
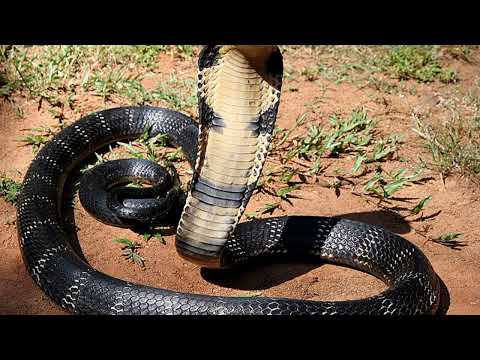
239 92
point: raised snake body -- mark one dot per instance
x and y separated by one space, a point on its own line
239 91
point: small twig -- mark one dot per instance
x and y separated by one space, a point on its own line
443 181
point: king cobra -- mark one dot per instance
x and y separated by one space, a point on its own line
239 91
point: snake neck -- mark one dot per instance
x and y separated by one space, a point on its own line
239 93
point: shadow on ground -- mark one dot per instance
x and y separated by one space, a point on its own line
23 296
390 220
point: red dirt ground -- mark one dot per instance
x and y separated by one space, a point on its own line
457 200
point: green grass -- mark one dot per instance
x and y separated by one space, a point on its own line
9 189
450 239
6 87
56 74
154 148
268 208
155 233
419 63
35 141
185 51
130 251
39 137
454 146
308 149
344 135
421 205
382 150
178 94
404 62
349 135
53 74
386 184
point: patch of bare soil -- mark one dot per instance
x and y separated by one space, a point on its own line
455 207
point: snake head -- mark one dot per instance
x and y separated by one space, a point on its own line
265 59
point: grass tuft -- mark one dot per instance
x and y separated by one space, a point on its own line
420 63
454 146
9 189
130 251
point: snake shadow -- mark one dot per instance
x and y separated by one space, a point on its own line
260 274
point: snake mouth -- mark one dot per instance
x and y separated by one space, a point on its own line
239 93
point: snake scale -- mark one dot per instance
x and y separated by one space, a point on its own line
239 92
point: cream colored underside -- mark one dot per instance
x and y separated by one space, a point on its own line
233 154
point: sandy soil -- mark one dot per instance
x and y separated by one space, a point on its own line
456 200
